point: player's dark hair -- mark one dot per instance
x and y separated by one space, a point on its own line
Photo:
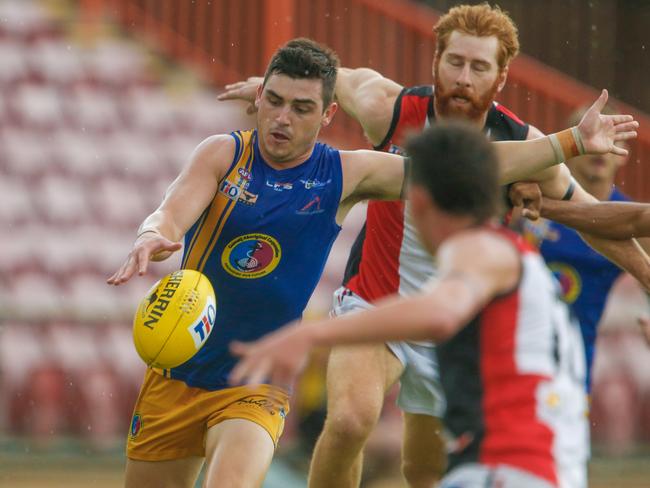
457 165
304 58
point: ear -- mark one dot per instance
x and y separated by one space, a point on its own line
419 200
328 114
503 76
433 68
258 95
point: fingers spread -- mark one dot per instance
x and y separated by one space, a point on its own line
602 101
624 136
248 372
620 119
142 260
626 126
238 348
619 151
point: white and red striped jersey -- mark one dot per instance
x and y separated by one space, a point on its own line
513 378
387 256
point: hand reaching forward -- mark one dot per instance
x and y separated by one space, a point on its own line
243 90
599 132
278 357
149 246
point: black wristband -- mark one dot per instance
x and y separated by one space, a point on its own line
570 190
407 177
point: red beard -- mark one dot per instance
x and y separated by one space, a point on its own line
474 111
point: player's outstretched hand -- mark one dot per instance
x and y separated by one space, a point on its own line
279 357
599 132
243 90
527 196
147 247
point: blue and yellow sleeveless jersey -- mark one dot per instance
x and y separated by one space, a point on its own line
263 242
585 276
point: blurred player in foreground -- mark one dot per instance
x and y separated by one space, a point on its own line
474 47
511 362
259 211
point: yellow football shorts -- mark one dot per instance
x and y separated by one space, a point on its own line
171 419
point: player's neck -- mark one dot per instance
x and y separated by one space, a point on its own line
285 164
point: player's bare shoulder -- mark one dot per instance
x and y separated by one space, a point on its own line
484 252
214 153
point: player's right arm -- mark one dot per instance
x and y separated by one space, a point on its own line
369 98
185 200
363 93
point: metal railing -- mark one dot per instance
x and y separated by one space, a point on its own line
229 40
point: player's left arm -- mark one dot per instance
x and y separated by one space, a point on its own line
371 175
608 220
595 134
627 254
467 282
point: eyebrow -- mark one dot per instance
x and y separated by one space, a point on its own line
471 60
308 101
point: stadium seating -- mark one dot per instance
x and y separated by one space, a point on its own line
91 135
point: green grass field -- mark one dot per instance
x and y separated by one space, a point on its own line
68 469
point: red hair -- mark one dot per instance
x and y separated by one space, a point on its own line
480 21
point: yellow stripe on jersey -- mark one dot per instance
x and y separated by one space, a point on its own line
239 148
215 218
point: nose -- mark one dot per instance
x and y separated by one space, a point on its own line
282 116
463 78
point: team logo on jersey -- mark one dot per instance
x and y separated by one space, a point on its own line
248 198
136 425
279 185
311 207
315 184
569 279
231 190
245 174
237 192
393 149
251 256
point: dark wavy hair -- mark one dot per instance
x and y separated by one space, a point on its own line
304 58
458 167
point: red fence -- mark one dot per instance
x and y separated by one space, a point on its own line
229 40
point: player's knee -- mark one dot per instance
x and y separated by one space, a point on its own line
354 424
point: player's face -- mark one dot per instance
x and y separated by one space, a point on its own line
596 167
289 117
467 77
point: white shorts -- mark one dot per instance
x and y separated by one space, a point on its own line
474 475
420 388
